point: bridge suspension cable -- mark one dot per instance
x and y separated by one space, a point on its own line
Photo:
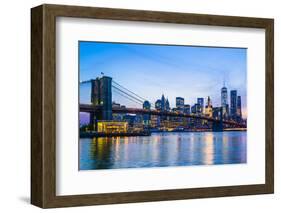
124 88
125 96
131 93
84 82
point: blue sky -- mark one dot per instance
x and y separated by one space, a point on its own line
153 70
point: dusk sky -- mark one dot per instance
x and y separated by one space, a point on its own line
153 70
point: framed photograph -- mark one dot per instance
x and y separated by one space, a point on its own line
136 106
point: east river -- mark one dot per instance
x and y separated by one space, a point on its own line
164 149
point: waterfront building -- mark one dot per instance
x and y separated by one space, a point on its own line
224 102
146 105
179 109
239 110
174 109
117 117
135 123
130 119
138 122
112 127
158 105
196 109
200 101
193 109
167 105
180 104
146 117
233 104
115 105
209 108
186 109
161 105
155 121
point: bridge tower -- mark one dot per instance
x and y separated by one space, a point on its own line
218 125
101 98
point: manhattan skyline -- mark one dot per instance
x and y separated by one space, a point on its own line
152 70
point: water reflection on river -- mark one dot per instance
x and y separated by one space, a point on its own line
163 149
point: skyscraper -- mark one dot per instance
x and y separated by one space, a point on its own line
167 105
162 103
224 102
200 101
196 109
239 110
233 103
209 108
186 109
224 96
179 104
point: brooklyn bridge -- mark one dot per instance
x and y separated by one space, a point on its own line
102 108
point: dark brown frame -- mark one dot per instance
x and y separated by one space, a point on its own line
43 105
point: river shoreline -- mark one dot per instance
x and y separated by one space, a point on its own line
134 134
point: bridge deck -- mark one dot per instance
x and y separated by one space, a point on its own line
92 109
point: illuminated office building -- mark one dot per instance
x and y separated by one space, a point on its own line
233 104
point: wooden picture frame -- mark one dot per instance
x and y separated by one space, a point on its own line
43 105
